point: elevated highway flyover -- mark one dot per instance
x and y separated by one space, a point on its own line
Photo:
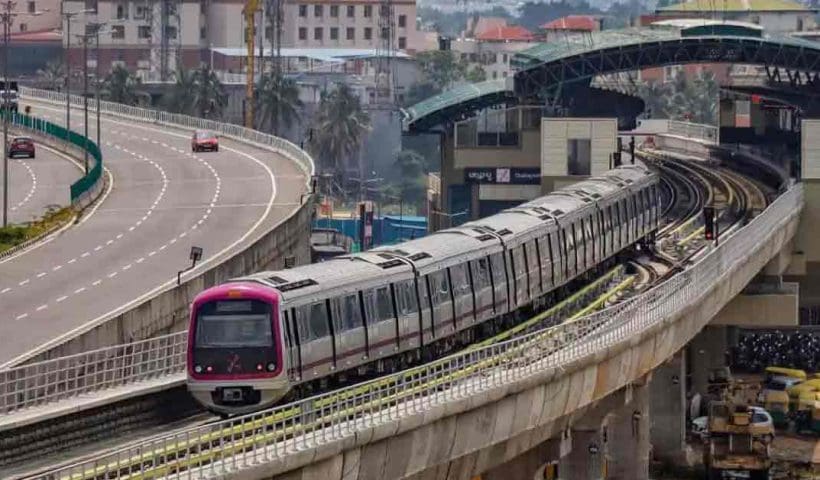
125 252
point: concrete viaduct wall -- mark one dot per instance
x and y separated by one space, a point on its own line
472 435
168 311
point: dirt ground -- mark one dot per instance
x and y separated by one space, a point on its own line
796 457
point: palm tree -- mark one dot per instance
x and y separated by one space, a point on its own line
339 129
277 102
121 86
181 97
53 75
209 97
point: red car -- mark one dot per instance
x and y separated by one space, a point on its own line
204 140
21 146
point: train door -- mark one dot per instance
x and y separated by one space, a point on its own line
348 330
462 296
546 263
292 347
589 241
521 282
442 303
381 321
407 308
533 268
498 272
315 339
425 311
482 289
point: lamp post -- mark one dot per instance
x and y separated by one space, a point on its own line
66 60
7 16
92 31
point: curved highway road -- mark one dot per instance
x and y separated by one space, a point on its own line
35 183
164 200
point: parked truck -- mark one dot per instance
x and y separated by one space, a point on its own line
739 437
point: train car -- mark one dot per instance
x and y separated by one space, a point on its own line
284 334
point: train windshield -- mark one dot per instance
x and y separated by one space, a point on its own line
233 324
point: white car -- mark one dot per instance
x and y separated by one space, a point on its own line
700 425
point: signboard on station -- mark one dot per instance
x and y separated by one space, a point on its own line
503 175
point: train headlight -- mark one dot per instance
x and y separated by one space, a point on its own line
198 369
209 369
271 367
259 367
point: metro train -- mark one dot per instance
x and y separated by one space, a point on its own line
274 335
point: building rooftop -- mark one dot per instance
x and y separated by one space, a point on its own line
584 23
735 6
508 33
321 54
38 36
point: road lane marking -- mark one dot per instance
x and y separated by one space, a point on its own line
62 298
79 290
41 307
24 282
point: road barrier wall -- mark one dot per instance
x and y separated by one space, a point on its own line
85 190
166 311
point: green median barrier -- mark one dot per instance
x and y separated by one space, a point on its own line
87 182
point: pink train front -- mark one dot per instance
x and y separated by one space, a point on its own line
235 360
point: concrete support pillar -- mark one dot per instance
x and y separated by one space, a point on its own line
585 461
707 351
527 465
628 438
667 392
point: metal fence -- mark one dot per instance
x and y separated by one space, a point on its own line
230 130
708 133
272 435
38 125
68 377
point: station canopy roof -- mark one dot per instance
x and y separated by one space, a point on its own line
711 6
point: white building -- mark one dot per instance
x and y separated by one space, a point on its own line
494 48
780 16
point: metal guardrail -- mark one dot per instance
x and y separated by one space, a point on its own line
43 127
236 132
68 377
272 435
708 133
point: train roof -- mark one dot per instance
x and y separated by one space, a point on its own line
451 246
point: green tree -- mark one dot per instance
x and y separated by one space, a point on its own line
181 97
441 67
413 184
209 94
121 86
695 99
338 130
52 76
476 74
656 97
277 102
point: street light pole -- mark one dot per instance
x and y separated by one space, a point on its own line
85 100
97 85
7 16
68 16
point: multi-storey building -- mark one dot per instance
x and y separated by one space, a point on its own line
781 16
492 45
145 34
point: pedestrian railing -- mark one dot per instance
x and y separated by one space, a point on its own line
277 433
236 132
707 133
68 377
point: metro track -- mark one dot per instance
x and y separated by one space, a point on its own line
649 271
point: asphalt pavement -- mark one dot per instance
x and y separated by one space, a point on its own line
164 199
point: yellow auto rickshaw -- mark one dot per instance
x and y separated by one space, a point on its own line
796 391
785 372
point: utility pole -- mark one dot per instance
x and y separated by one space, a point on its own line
67 61
7 18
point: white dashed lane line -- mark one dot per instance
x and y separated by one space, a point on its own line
173 240
31 189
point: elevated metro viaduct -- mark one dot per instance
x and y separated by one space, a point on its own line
501 124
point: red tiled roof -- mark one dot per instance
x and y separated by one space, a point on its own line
38 36
508 33
572 22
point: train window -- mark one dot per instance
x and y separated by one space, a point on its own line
347 314
406 300
439 287
497 264
461 285
370 310
481 273
311 321
384 304
422 290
